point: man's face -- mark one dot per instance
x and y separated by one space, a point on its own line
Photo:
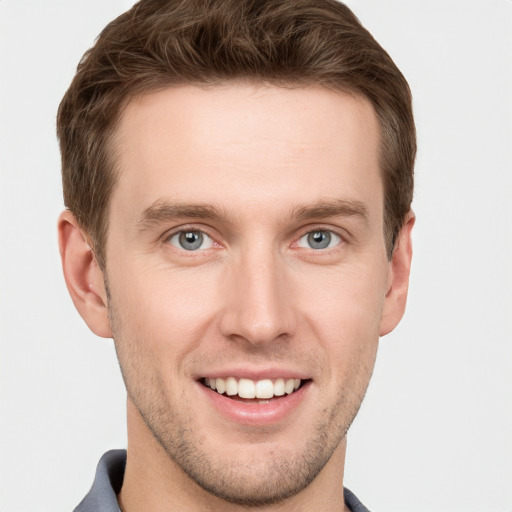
246 247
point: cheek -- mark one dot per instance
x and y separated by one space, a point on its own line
165 310
344 308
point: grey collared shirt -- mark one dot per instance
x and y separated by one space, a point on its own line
109 478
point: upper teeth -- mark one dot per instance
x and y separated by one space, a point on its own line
247 388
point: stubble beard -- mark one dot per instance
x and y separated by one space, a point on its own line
254 483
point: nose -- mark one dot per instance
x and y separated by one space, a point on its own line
258 299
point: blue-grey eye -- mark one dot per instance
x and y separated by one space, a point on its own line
191 240
319 239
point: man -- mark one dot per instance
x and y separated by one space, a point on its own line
238 181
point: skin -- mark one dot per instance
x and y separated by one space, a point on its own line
266 166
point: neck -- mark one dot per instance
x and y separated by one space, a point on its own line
154 483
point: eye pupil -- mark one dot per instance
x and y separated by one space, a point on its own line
319 239
191 240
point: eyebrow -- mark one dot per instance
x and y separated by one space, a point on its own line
164 211
332 208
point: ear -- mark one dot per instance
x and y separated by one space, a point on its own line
398 283
83 275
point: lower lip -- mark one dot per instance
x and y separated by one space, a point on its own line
255 414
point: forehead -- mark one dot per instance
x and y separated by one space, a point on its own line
247 144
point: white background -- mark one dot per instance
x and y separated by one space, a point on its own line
435 432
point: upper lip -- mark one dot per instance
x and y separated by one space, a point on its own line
255 373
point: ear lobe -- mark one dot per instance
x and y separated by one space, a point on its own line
84 278
400 268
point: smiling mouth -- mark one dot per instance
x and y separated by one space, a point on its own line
247 389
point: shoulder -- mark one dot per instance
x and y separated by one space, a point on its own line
352 502
107 483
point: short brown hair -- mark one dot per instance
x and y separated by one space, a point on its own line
160 43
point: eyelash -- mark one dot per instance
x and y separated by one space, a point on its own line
185 231
332 236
